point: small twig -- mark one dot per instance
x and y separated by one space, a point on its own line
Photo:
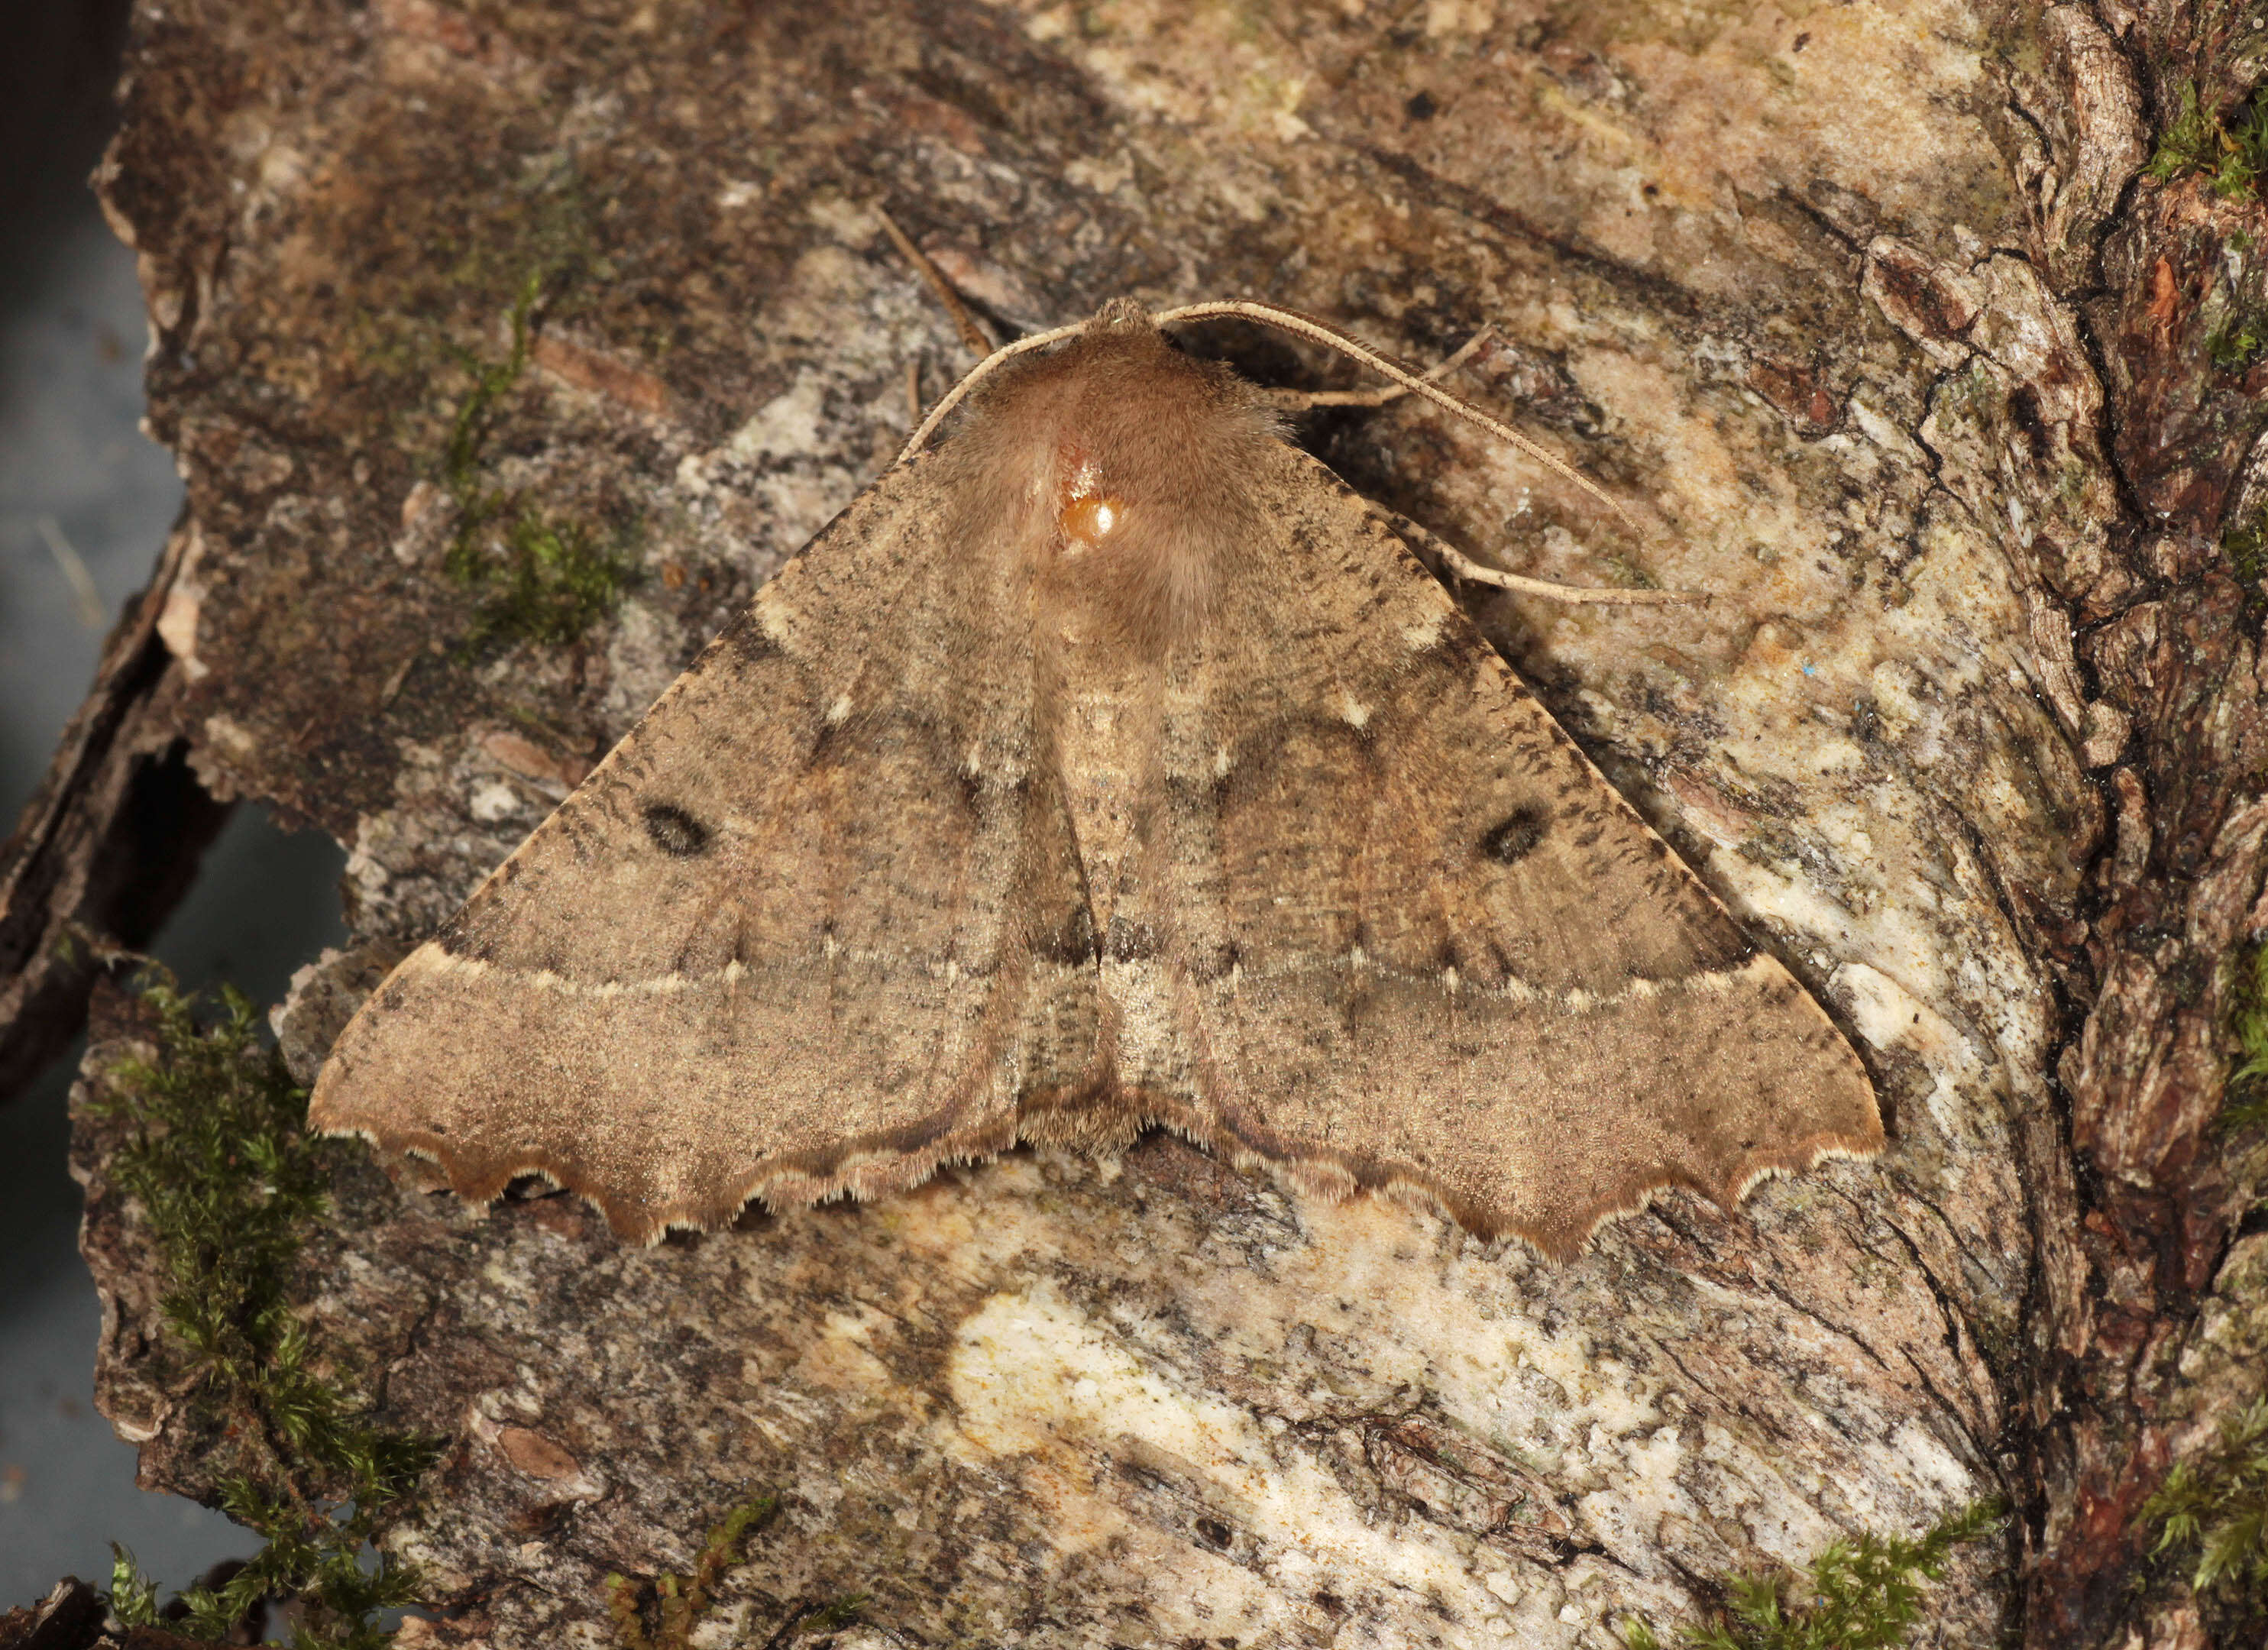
385 695
971 335
75 573
1460 566
1303 400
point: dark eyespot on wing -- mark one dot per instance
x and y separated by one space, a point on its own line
675 831
1516 835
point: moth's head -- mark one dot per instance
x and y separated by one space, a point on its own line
1122 469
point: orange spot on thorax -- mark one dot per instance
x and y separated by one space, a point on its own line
1085 514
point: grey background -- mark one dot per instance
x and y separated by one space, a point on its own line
75 472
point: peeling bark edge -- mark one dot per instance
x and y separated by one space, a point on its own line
109 842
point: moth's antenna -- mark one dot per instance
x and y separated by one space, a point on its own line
1306 326
982 370
1462 566
1302 400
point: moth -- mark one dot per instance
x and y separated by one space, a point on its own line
1108 764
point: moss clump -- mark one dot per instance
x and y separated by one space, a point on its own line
466 250
541 577
2238 341
2232 157
544 580
1855 1596
228 1181
2246 547
681 1603
2245 1105
2216 1504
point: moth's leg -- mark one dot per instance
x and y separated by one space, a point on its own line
913 390
1302 400
1456 564
971 333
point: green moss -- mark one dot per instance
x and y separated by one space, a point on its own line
433 260
681 1603
833 1617
2246 1103
2245 544
2234 158
228 1181
2215 1503
2238 341
1854 1596
541 577
2188 142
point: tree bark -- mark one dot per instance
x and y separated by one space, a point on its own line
108 844
1870 308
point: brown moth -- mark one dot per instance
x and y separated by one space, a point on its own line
1111 764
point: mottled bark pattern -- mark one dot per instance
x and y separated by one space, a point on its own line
2144 1339
1869 305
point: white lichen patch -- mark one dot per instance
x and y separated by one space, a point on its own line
1104 176
786 426
1643 1493
177 618
1887 1015
1789 903
1928 1462
1394 1313
493 800
1034 1377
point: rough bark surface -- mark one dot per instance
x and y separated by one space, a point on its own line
71 1617
1867 305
